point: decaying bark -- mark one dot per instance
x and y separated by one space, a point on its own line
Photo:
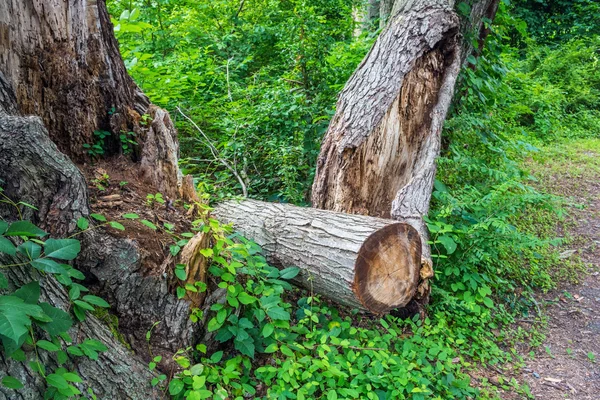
378 155
385 122
33 170
363 262
63 61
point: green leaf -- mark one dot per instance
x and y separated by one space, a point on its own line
245 323
488 302
29 293
278 313
62 249
30 249
11 383
61 357
24 228
148 224
47 265
84 305
207 252
14 317
76 351
73 273
98 217
175 387
448 243
268 330
131 216
97 301
3 226
18 355
197 369
245 347
289 273
245 298
74 293
57 381
37 367
174 250
216 357
116 225
82 223
180 273
71 377
286 351
272 348
46 345
11 346
7 247
464 9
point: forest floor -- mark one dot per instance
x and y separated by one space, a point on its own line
567 364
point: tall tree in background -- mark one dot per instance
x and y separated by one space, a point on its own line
378 155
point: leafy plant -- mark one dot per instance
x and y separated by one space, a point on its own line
28 324
152 199
102 181
128 142
96 149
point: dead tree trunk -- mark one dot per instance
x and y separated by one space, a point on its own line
63 61
378 155
34 171
363 262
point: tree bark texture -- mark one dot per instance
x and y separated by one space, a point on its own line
33 170
363 262
117 374
378 155
63 61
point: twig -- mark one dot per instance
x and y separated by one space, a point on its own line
215 153
228 85
554 385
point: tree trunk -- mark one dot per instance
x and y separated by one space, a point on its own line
363 262
63 61
117 374
378 155
34 171
385 11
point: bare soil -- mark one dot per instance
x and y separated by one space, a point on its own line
116 189
567 365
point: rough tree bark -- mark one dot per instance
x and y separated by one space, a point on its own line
33 170
63 61
363 262
378 155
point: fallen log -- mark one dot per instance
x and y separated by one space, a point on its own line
364 262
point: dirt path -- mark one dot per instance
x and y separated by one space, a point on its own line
567 365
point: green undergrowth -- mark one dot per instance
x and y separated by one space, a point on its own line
273 347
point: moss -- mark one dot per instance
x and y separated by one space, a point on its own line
112 322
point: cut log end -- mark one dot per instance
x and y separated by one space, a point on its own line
387 269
